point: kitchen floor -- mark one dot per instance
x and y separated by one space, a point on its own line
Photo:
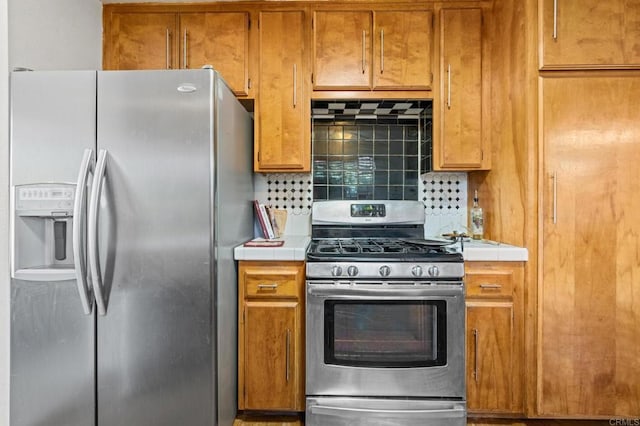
245 420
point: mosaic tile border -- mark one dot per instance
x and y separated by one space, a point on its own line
292 192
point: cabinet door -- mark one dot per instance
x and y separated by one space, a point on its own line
220 39
283 126
589 34
402 49
140 41
342 50
589 323
460 140
490 374
270 346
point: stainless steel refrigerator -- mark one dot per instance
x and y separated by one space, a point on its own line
129 190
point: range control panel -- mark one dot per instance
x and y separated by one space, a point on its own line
368 210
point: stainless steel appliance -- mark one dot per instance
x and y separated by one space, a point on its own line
385 319
129 190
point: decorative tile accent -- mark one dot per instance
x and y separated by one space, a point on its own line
292 192
366 108
445 200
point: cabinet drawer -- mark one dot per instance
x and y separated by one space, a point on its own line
489 284
272 285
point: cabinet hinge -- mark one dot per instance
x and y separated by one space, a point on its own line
258 156
431 78
482 154
243 314
249 83
249 24
311 78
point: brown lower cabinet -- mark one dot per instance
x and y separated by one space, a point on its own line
494 338
271 336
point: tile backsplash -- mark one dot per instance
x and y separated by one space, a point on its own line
444 196
369 150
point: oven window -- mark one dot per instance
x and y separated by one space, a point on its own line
385 333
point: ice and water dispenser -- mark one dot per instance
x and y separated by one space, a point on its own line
43 228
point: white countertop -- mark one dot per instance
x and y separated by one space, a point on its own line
294 248
485 250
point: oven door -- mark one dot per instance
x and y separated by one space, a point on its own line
385 339
383 412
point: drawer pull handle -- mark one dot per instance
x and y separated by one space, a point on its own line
491 286
476 338
267 286
288 355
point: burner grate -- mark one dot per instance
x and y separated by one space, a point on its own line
374 247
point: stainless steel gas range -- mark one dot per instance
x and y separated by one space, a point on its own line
385 319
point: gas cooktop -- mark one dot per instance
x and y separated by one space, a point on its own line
381 249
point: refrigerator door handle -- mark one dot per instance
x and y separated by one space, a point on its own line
79 253
92 232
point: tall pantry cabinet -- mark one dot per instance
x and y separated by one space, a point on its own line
589 181
589 323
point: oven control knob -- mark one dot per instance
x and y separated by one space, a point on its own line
352 271
336 271
416 271
433 271
384 270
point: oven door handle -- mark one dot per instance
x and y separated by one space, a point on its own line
390 293
450 413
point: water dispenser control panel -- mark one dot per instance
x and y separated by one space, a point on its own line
45 199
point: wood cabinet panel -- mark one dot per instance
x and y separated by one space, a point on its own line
402 50
219 39
271 336
490 283
495 337
490 337
283 125
589 34
460 143
590 265
272 282
154 37
140 41
342 50
270 333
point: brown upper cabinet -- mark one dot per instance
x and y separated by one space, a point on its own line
589 34
380 50
283 127
459 140
138 38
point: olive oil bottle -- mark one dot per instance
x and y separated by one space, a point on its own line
477 219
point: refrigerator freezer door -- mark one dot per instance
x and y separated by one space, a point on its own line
52 340
155 358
